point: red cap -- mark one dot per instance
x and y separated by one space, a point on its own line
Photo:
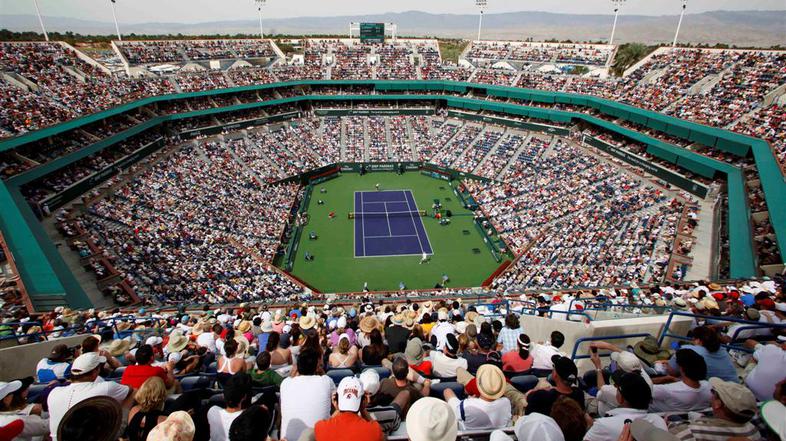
767 303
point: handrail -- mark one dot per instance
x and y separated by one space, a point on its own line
581 340
667 327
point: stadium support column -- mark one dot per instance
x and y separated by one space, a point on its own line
481 4
114 16
679 23
40 20
260 3
617 5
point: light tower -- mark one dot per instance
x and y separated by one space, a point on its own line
40 20
260 3
481 4
617 5
679 23
114 16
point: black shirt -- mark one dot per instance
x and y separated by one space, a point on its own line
397 338
542 400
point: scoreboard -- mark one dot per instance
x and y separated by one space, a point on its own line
372 32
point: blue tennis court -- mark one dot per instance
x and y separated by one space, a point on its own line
387 223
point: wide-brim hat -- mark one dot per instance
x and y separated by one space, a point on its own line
307 322
431 419
103 413
177 342
119 347
244 326
471 316
649 351
368 324
490 381
397 319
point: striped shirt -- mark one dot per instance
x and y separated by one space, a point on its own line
713 429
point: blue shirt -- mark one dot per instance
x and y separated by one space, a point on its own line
719 363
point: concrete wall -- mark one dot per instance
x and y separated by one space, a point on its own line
20 361
539 329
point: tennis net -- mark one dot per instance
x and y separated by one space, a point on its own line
360 214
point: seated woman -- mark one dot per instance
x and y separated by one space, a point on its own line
345 357
230 363
279 357
518 361
148 411
376 351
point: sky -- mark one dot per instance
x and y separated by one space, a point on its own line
191 11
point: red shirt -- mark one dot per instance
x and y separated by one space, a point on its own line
348 426
424 368
135 375
511 362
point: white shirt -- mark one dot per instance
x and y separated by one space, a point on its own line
207 340
480 414
441 331
679 397
35 426
444 366
541 356
220 421
304 401
771 360
63 398
610 427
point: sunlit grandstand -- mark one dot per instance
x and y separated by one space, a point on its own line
376 236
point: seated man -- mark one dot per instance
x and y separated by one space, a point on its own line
490 410
263 375
691 392
446 362
634 396
733 407
350 421
564 376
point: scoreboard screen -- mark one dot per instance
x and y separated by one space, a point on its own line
372 32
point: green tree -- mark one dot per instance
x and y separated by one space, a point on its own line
629 54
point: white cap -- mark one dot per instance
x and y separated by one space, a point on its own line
86 363
774 414
342 322
537 427
154 340
626 361
350 393
9 388
370 381
175 357
442 315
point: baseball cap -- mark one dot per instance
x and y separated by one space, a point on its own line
370 381
451 343
538 427
9 388
643 430
154 340
774 414
565 367
442 315
736 397
350 393
86 363
627 361
59 353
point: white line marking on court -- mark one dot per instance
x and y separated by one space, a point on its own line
387 218
412 218
385 237
362 232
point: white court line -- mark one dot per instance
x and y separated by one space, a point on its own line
414 225
385 237
362 232
387 218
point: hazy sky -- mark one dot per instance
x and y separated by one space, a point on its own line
135 11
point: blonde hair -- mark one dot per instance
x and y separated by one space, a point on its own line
463 342
151 395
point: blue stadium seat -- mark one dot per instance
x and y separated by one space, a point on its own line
117 373
212 368
34 391
381 370
337 374
216 400
438 390
524 383
195 382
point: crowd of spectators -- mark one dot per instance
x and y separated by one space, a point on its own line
586 54
420 370
174 51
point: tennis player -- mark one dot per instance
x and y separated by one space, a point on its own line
424 259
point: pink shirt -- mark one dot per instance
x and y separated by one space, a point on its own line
511 362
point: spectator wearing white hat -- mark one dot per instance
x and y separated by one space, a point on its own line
533 427
350 421
441 330
488 411
389 416
626 362
733 407
430 419
35 427
84 373
446 362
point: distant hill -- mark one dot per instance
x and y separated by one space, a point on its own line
741 28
